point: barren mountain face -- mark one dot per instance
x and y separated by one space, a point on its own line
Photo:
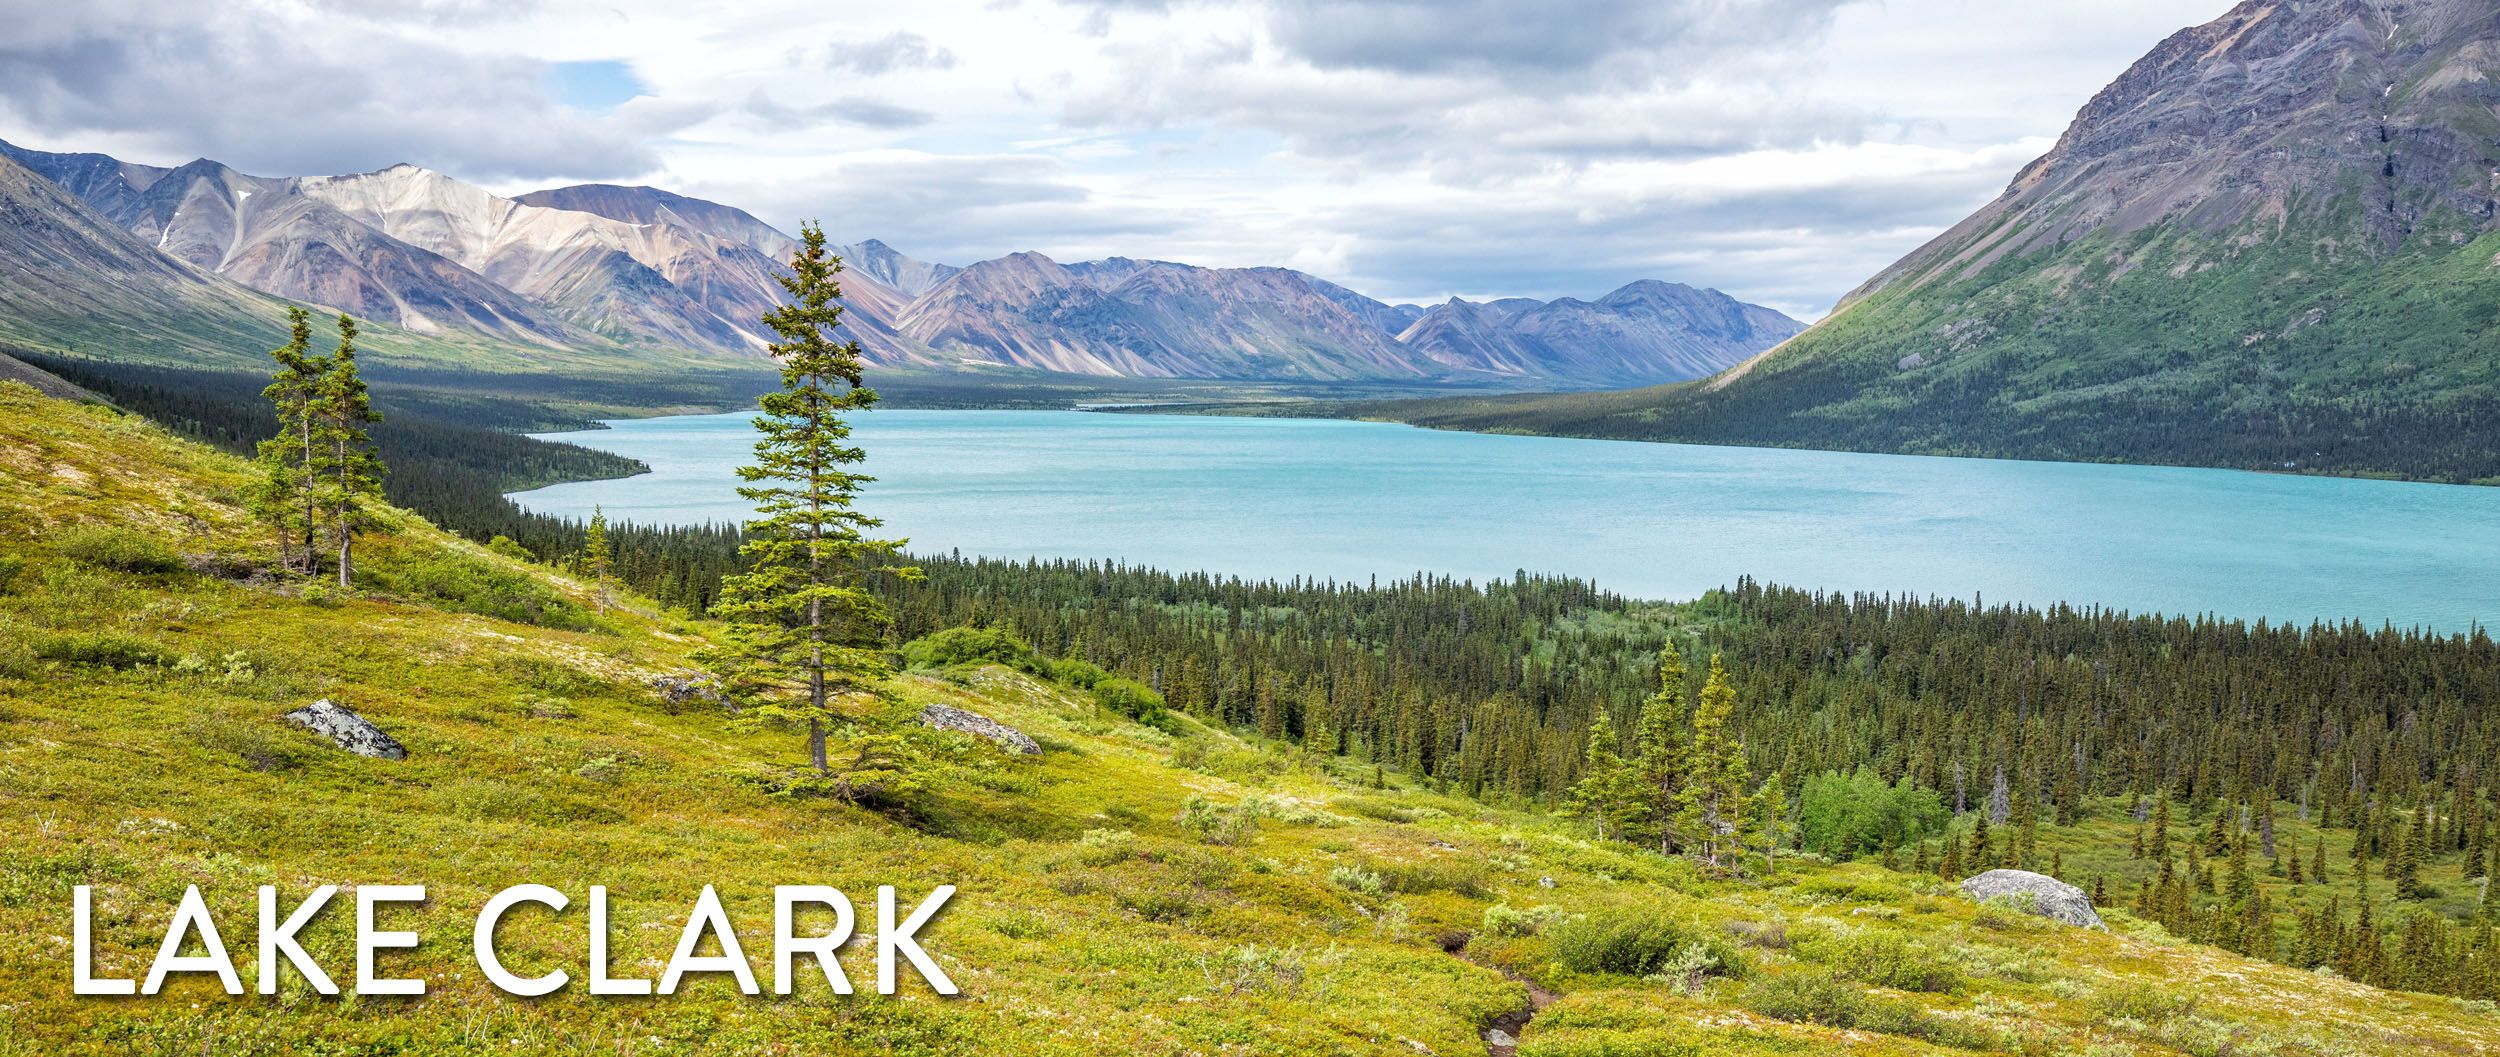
601 265
2365 123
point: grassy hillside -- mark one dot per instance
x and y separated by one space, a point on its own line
1131 889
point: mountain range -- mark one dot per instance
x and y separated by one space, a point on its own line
603 270
2274 242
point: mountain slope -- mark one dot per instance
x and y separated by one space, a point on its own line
1152 319
651 205
74 281
629 281
611 272
1353 912
2274 242
1648 331
876 285
260 232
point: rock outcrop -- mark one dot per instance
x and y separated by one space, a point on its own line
350 731
945 717
683 690
2040 894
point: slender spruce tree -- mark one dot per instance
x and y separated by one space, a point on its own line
1711 808
284 495
347 483
1607 796
802 610
1660 740
598 561
1771 821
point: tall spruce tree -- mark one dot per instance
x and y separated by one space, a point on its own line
284 496
1711 809
1660 742
1771 821
802 610
1607 796
347 478
598 560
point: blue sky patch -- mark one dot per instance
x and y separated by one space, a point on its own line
594 85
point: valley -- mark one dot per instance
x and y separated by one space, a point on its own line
618 623
1184 878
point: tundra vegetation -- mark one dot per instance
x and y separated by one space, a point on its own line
1188 886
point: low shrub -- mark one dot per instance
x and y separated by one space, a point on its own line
1505 921
98 649
467 585
112 547
1135 700
1808 998
2008 914
1204 819
260 746
1886 958
1081 674
1387 810
1464 877
954 646
1102 847
1636 943
1767 935
2143 1004
1823 999
1356 879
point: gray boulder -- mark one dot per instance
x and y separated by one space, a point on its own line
943 717
690 688
351 731
2041 894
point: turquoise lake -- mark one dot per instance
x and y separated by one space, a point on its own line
1354 500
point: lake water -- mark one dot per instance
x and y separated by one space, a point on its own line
1353 500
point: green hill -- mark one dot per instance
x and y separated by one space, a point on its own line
1173 889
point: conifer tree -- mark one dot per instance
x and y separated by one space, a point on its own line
283 496
2026 818
1318 735
1771 821
1711 808
2404 862
2159 846
1660 742
598 562
802 609
348 475
1607 795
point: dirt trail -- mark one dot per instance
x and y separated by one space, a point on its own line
1501 1038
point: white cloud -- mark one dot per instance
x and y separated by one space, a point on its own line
1780 149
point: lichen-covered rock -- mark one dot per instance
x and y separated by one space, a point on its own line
679 691
944 717
351 731
2039 893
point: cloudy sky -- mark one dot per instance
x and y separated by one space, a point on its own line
1782 150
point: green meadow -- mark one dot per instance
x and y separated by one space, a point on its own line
1134 888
